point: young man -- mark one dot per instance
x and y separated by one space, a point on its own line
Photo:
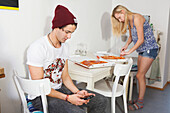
48 58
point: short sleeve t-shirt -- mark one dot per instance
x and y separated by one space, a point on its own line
42 54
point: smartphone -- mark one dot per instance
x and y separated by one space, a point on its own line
88 97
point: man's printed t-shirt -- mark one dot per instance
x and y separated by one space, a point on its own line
42 54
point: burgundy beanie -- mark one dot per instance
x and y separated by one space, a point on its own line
62 17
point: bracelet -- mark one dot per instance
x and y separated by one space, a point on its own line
67 97
77 91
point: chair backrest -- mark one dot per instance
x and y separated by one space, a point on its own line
33 87
122 70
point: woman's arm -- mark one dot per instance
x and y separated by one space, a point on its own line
138 21
130 37
129 40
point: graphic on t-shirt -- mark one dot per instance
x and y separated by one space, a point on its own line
54 70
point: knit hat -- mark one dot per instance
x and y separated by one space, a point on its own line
62 17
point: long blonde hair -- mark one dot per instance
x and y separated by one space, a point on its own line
119 28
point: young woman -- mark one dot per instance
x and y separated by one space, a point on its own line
144 41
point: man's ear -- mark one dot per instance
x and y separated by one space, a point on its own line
55 29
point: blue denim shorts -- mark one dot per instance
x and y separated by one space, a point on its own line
151 53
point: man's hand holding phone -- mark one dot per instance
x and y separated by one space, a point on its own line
88 97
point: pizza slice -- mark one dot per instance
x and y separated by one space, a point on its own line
112 57
91 62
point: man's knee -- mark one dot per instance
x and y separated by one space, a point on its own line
101 100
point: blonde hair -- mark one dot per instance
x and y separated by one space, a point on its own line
119 28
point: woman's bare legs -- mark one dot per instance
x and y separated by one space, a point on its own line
144 64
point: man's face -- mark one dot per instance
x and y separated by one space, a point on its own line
65 33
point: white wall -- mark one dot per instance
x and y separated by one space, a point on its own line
168 52
90 20
33 20
17 30
159 17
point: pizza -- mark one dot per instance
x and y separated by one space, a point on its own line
112 57
91 62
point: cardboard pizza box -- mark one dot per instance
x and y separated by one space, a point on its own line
1 70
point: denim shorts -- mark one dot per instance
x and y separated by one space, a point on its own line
151 53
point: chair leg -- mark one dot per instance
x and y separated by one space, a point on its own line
113 108
131 87
125 102
26 111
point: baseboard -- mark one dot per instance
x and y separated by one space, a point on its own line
159 88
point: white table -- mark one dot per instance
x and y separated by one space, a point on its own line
89 76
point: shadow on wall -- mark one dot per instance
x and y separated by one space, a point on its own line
48 25
106 26
47 29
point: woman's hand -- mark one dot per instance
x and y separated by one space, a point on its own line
124 48
123 53
76 99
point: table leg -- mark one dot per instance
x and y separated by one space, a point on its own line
0 100
131 87
90 84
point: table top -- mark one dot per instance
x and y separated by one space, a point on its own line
74 68
90 57
80 70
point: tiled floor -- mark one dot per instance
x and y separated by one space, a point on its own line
155 101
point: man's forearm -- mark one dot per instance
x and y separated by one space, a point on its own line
57 94
69 84
67 81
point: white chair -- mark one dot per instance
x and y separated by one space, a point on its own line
33 87
114 89
132 75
